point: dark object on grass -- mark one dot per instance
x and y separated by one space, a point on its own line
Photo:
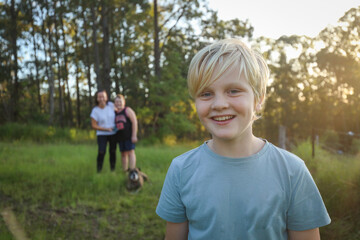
135 179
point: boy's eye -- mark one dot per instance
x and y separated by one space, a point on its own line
205 94
234 91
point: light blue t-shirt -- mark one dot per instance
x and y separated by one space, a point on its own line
252 198
105 117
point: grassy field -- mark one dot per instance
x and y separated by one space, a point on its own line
338 179
55 193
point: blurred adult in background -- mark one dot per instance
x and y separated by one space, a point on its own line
102 120
126 135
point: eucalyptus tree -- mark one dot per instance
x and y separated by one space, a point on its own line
10 34
47 32
57 53
94 21
6 66
171 18
339 60
33 14
180 29
64 13
214 28
291 95
13 34
87 57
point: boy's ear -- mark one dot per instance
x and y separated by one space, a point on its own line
259 104
258 107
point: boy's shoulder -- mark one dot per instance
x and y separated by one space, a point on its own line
287 159
186 163
283 152
188 157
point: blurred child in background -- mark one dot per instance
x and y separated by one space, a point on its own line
126 135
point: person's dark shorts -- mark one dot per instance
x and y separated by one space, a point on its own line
126 145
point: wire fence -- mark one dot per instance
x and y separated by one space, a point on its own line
337 142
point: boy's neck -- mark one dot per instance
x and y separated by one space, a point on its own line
237 149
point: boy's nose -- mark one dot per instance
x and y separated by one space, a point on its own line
219 103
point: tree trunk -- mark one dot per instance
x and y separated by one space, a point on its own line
115 39
282 136
116 78
157 68
37 79
48 69
66 72
57 48
122 70
87 59
156 42
78 96
77 82
96 50
106 48
51 85
13 43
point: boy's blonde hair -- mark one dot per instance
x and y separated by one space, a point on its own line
222 55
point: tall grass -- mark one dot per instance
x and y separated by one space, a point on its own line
56 193
338 179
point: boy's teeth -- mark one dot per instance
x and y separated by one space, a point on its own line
224 118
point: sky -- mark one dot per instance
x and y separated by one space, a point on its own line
274 18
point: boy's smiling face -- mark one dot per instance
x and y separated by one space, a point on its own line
227 107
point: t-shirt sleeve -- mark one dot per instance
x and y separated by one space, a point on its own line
170 206
94 115
307 209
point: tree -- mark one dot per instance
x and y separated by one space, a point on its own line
13 33
96 47
340 61
106 46
34 30
48 49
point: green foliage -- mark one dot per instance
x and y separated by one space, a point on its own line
316 88
177 124
214 28
44 134
330 138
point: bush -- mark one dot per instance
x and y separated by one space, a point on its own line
43 134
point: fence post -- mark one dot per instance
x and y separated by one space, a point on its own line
282 136
313 142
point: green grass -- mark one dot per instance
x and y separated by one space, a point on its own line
55 192
338 179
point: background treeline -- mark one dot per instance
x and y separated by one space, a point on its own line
55 54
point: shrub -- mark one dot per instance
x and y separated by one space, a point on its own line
43 134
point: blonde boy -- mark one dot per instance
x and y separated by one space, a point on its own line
236 185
